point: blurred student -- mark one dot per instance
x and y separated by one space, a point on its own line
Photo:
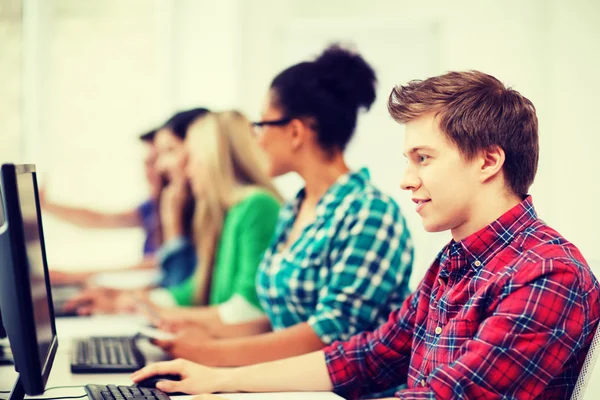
509 307
234 219
341 256
173 208
176 203
144 216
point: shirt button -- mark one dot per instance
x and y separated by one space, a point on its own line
477 263
438 330
423 383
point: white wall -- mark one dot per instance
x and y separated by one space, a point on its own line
97 73
11 67
90 68
224 54
573 124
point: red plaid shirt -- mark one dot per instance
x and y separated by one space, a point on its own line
509 312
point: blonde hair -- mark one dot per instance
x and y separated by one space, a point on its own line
233 166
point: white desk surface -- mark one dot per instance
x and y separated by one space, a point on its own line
72 328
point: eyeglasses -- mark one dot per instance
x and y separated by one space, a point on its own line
276 122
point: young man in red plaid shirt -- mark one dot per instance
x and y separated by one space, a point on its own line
509 307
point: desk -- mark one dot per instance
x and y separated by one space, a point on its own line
73 328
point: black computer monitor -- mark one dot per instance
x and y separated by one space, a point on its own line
5 356
25 296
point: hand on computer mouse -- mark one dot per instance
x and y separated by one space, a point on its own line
195 378
151 382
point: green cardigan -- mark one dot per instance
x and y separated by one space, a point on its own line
247 231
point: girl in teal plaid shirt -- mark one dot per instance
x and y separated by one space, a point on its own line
341 257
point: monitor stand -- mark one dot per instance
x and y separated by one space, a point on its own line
6 357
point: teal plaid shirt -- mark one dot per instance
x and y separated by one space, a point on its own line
347 271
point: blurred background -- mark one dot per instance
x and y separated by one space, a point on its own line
81 80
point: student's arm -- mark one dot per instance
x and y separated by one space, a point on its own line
304 373
538 324
207 319
350 365
374 362
297 340
207 322
148 262
86 218
60 276
250 328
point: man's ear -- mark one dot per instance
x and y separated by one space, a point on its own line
491 162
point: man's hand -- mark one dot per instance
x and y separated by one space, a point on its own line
195 378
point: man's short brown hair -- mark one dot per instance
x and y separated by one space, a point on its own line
476 111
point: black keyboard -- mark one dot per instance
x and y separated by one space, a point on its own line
106 355
112 392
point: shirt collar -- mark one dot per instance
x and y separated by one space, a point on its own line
483 245
331 197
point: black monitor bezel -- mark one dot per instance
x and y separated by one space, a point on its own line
15 289
2 330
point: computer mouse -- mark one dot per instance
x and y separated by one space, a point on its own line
151 382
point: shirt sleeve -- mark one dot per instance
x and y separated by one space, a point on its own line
371 258
255 233
145 208
373 362
536 327
238 310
